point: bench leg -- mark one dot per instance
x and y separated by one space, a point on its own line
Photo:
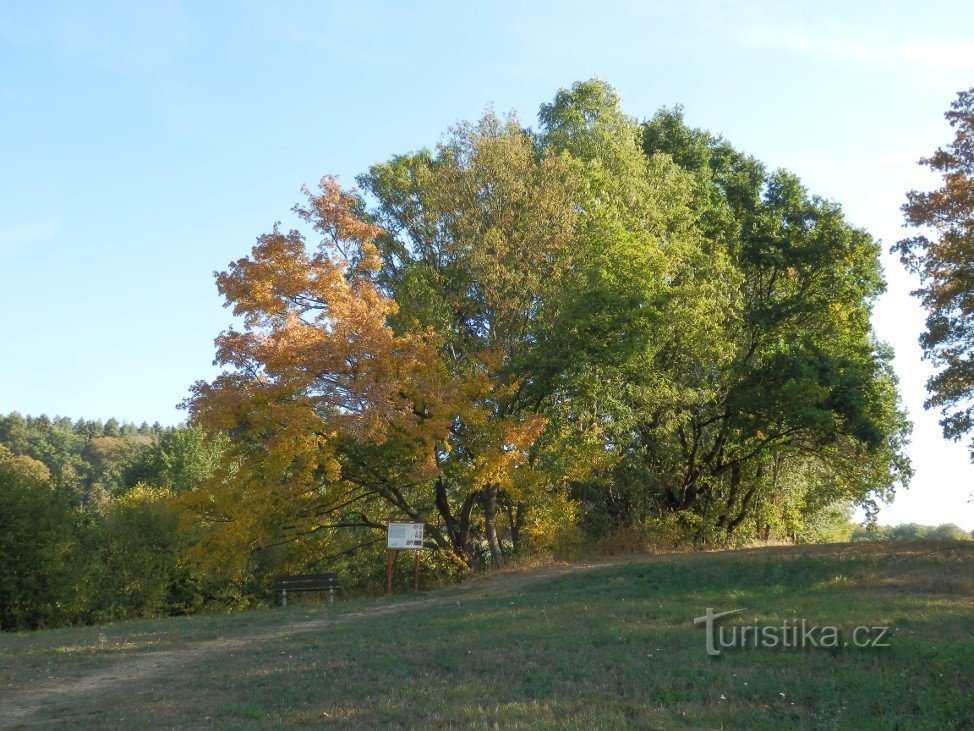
283 597
331 596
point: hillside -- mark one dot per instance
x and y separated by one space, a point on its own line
607 643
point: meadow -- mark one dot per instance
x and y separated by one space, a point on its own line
604 643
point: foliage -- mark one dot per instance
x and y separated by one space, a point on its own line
942 256
804 393
90 459
832 524
911 532
325 402
143 568
83 541
36 545
599 321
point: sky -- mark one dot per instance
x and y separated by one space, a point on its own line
144 146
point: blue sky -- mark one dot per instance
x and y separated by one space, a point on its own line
145 145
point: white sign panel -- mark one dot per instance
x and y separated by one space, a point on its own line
405 535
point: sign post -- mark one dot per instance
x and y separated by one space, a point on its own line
403 537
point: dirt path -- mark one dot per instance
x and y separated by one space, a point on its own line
17 710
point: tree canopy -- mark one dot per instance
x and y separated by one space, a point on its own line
519 333
943 256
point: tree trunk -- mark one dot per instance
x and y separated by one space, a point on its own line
515 519
490 525
457 525
516 526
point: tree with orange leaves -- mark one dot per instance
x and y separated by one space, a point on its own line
336 421
944 259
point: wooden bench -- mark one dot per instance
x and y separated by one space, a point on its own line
307 582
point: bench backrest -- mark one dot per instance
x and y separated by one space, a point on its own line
307 582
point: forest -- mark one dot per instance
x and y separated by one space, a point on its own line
598 333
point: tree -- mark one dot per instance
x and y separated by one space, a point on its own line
720 330
638 317
949 532
480 242
943 257
334 420
82 540
36 546
644 317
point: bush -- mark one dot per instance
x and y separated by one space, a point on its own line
872 532
909 532
141 553
139 546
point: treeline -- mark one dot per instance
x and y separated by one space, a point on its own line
910 532
90 460
598 332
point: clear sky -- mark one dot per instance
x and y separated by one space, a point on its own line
145 145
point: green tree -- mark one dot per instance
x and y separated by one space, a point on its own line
37 546
949 532
480 238
741 363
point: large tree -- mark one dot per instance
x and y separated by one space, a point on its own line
516 322
756 373
335 419
943 255
805 396
480 242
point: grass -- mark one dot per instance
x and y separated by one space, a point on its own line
608 646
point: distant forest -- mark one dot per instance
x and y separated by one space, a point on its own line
94 460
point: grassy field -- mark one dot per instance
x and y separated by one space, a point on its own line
609 645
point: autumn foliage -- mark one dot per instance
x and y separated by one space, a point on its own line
942 252
526 338
336 420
